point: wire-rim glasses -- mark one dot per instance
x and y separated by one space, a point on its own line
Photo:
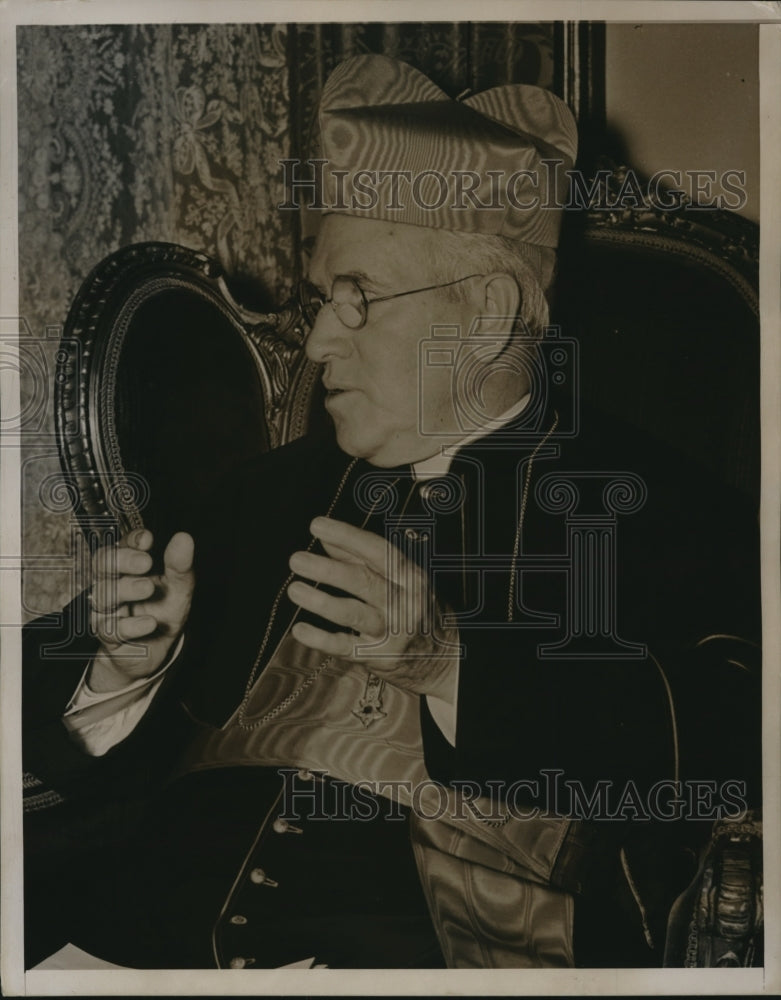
349 300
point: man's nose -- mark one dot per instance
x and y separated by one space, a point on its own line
328 338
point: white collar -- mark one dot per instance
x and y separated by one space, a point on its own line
439 464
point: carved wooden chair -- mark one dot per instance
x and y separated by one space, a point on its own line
167 381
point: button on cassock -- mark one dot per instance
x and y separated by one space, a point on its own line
282 826
425 491
259 877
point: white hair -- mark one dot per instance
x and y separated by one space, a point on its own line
456 254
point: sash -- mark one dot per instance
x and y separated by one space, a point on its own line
322 728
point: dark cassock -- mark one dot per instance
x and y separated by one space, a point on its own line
172 835
258 802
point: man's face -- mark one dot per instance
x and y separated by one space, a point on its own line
372 374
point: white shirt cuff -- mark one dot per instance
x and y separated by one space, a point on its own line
97 722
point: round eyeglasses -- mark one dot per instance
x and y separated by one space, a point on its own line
349 299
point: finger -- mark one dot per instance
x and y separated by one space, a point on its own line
354 578
343 554
109 593
366 545
399 571
121 558
345 611
332 643
140 539
178 556
135 628
375 551
113 630
115 560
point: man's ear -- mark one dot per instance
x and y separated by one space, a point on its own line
501 302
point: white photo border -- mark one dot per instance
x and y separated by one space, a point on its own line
767 980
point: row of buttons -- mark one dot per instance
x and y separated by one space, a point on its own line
259 877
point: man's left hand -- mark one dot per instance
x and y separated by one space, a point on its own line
393 621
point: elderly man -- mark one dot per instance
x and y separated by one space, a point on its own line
395 602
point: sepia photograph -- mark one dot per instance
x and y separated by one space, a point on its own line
386 429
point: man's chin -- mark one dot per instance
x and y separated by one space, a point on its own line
372 452
384 455
379 461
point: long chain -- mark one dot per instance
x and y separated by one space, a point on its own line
327 661
242 713
519 529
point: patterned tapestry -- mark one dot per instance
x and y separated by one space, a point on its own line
175 133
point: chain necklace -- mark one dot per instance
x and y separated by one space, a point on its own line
519 529
327 661
242 713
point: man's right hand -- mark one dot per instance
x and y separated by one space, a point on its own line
137 615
